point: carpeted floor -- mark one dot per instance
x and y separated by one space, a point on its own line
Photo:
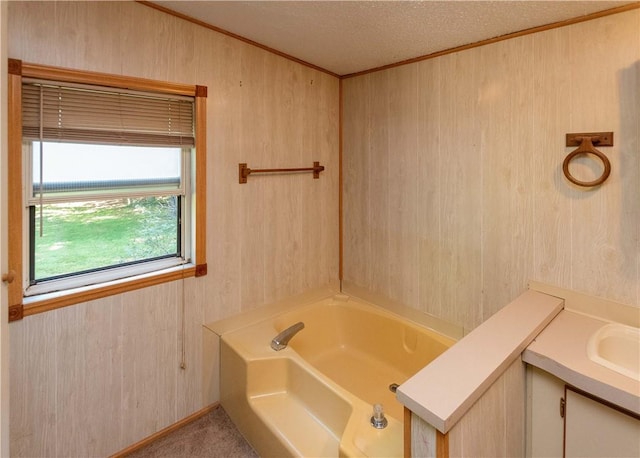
212 436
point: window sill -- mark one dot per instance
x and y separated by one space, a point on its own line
50 301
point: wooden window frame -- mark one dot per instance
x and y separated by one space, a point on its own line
17 306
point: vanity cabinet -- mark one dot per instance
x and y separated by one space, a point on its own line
595 429
563 421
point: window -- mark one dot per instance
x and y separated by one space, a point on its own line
99 212
112 180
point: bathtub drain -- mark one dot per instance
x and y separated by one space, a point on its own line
393 387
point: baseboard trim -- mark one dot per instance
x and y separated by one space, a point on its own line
164 432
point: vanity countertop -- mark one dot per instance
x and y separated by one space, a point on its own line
561 350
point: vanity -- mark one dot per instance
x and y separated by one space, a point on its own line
583 388
554 373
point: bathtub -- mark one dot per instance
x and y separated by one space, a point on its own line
315 398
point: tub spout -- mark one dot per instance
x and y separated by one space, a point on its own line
280 341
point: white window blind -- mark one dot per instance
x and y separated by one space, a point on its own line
78 113
66 172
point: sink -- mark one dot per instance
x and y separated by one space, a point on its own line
617 347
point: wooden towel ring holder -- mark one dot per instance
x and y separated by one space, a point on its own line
586 147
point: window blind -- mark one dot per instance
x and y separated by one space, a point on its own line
75 113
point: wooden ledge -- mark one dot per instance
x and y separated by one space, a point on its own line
443 392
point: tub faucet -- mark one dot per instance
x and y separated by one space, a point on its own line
280 341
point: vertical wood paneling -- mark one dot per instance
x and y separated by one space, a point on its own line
32 31
632 73
219 69
189 378
150 361
254 148
494 425
328 110
320 197
403 183
330 150
146 57
186 54
552 210
514 409
311 226
603 251
378 172
89 346
423 438
493 207
34 376
93 378
461 195
356 159
90 46
507 147
429 189
481 432
282 224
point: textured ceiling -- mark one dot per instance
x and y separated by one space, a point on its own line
345 37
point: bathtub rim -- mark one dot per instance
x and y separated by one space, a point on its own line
276 309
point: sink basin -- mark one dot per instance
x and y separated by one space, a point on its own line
616 347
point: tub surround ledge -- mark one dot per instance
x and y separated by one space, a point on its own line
445 390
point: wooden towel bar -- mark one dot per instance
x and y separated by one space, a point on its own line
244 171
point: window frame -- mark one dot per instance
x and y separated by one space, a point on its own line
20 305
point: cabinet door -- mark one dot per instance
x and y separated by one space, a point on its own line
545 425
594 429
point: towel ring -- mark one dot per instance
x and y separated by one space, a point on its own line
586 147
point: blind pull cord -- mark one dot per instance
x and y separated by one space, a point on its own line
183 352
41 187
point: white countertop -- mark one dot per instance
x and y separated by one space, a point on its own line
443 391
561 350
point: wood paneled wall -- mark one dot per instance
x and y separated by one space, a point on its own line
495 424
91 379
454 198
454 195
